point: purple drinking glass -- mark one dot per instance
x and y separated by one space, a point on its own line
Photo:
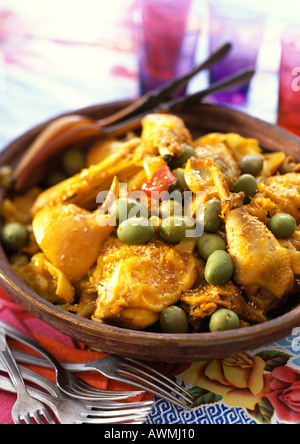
243 26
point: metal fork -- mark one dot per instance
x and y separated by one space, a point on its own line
138 374
26 407
75 411
68 412
69 383
129 371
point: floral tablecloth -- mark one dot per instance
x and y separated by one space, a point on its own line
43 74
260 386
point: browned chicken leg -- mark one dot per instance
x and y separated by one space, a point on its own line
262 266
166 133
135 283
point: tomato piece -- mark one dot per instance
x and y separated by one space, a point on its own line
160 181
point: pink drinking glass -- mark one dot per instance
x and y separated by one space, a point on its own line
166 40
289 81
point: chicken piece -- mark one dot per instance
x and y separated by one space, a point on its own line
48 281
238 145
284 192
262 267
72 237
83 188
204 300
222 157
135 283
166 133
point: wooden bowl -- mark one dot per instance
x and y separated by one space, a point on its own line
153 346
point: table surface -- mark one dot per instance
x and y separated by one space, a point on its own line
50 65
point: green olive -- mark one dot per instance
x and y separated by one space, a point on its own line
135 231
124 209
14 236
73 161
174 320
181 183
218 268
282 225
178 162
173 228
208 243
209 216
6 176
170 208
224 319
251 164
248 184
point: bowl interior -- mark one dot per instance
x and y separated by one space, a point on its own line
200 119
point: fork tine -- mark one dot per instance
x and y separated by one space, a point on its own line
114 413
121 405
26 418
37 417
121 409
113 420
17 420
95 396
92 393
158 384
84 387
79 388
138 381
162 377
46 415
